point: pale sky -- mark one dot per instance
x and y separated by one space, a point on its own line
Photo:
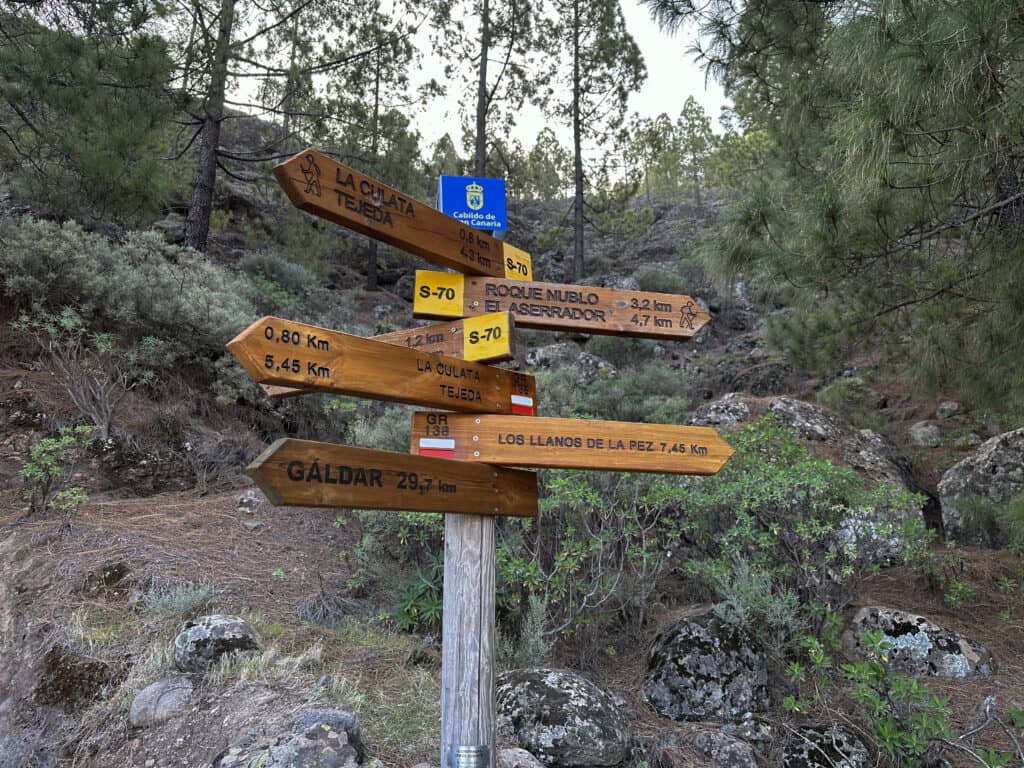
672 75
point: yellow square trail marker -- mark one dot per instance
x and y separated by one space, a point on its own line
310 474
289 354
557 307
323 187
570 443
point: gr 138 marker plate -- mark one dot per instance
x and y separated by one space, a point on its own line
570 443
317 184
308 474
285 353
558 307
488 338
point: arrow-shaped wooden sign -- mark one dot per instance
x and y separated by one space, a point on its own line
319 185
289 354
309 474
487 338
570 443
557 307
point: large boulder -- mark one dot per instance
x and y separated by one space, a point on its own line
724 751
863 449
160 701
992 475
824 747
563 719
728 411
919 648
203 642
702 669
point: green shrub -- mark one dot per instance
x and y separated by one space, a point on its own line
650 392
854 400
621 351
48 472
660 280
775 516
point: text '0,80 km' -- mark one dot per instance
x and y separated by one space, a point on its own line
284 353
570 443
323 187
311 474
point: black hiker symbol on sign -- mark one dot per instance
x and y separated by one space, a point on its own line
688 315
311 173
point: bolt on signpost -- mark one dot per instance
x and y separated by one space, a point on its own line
458 460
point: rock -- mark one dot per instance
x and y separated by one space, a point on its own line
517 758
160 701
252 501
824 747
621 283
920 648
565 354
253 525
993 474
728 411
751 729
203 642
701 669
947 409
862 449
723 750
405 287
925 435
319 747
171 227
562 718
337 719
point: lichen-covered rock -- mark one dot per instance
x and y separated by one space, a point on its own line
920 648
702 669
565 354
947 409
925 435
562 718
727 411
862 449
337 719
723 750
824 747
160 701
201 643
993 474
318 748
516 758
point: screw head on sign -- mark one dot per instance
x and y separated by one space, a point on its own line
476 438
478 421
476 453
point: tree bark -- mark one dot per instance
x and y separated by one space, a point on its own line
197 222
577 145
480 157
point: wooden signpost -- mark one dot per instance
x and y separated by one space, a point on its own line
310 474
285 353
452 468
487 338
319 185
557 307
570 443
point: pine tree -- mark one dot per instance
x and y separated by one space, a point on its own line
892 199
601 67
83 108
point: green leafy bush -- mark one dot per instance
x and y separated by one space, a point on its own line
660 280
48 472
789 530
650 392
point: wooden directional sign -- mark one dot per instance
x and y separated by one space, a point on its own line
558 307
317 184
487 338
289 354
308 474
570 443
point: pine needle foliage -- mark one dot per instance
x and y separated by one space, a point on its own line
892 202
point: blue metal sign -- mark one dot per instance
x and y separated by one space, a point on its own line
478 202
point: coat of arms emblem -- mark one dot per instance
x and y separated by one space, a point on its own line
474 196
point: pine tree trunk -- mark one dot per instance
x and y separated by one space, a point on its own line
577 146
480 158
197 222
371 251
